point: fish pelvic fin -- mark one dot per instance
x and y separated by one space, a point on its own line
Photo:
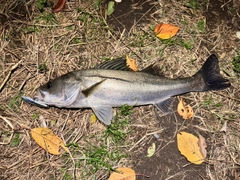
104 114
209 77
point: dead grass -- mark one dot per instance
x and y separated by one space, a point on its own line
81 39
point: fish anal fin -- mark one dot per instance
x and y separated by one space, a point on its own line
86 92
166 105
103 113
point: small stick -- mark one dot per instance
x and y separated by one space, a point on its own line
12 132
9 74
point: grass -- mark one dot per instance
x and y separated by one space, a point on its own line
236 64
15 140
110 145
50 45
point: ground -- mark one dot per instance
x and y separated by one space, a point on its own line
37 45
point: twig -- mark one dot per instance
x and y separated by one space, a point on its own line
9 74
148 134
224 95
12 132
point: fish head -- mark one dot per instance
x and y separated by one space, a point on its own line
60 92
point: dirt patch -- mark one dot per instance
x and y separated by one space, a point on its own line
166 163
222 12
128 14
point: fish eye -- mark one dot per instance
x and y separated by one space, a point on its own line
49 84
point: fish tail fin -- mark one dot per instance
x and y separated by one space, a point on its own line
210 76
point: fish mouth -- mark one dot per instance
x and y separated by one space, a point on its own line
39 95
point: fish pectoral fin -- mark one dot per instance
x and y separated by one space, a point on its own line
165 106
86 92
104 113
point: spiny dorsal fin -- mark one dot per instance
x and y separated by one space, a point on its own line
116 64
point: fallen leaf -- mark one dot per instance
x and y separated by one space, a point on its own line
202 146
110 8
131 63
188 146
45 138
165 31
123 173
93 119
224 127
184 110
60 6
151 150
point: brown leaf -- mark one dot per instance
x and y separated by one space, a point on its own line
45 138
60 6
224 127
202 146
123 173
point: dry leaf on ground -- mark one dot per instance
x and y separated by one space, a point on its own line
184 110
93 119
224 127
151 150
188 146
60 6
165 31
123 173
131 63
202 146
45 138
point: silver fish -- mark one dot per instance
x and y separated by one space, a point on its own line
114 85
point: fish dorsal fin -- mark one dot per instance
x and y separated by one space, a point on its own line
86 92
165 106
104 114
116 64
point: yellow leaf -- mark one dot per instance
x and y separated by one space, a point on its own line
123 174
165 31
188 146
45 138
131 63
93 119
184 110
151 150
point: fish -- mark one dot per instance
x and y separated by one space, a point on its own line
114 84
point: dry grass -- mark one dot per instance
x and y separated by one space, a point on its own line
35 48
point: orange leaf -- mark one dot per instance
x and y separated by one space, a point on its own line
165 31
45 138
131 63
123 174
188 146
184 110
